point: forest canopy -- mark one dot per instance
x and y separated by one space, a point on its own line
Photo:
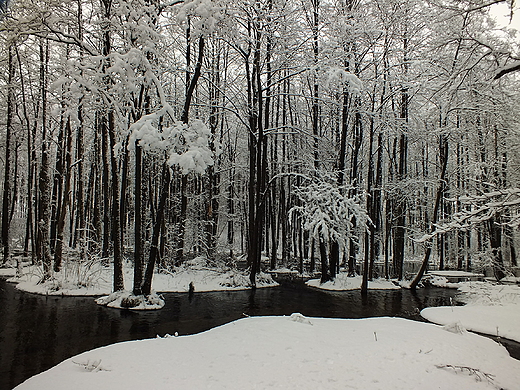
355 134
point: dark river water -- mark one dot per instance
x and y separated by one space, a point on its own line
37 332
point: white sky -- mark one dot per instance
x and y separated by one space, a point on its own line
502 12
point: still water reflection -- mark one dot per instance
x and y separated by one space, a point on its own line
37 332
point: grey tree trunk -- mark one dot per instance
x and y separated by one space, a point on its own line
44 179
6 199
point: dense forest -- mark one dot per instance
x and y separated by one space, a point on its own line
376 136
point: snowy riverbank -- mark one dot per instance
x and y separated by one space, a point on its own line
490 309
94 279
294 353
342 282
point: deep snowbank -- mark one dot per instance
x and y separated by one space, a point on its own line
502 321
294 353
342 282
491 309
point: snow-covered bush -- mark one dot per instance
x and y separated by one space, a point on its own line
328 212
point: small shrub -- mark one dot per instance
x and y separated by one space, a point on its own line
130 301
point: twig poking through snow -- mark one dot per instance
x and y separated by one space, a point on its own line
479 375
91 367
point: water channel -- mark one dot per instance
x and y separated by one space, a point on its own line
37 332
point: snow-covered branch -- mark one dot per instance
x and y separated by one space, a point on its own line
479 209
327 212
513 67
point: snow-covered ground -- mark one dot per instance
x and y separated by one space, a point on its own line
294 352
297 352
94 279
343 282
450 279
491 309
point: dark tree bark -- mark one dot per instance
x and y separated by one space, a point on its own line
124 189
6 198
80 225
116 213
369 235
401 203
443 159
315 84
80 234
212 183
31 159
57 187
105 185
44 179
184 118
62 212
508 69
325 276
138 238
231 214
146 287
257 155
495 240
354 182
112 215
334 253
97 198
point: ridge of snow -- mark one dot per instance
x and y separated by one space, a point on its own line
274 352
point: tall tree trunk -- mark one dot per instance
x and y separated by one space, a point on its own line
112 216
80 225
57 187
124 190
371 231
138 237
105 185
61 187
325 275
334 252
401 204
213 177
191 84
97 195
231 215
494 227
257 166
354 182
44 180
146 287
6 199
31 159
116 213
62 213
443 160
315 84
80 233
